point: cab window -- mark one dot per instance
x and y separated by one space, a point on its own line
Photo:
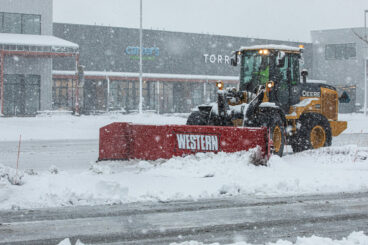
295 73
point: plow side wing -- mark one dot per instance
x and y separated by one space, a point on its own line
124 141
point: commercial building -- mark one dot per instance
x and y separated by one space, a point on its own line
39 59
26 50
180 69
338 58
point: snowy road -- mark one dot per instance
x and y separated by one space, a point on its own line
210 212
41 154
78 154
255 220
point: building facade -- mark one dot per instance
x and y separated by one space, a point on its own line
26 50
180 69
338 57
39 61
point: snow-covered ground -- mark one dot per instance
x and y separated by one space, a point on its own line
61 127
86 127
357 123
355 238
327 170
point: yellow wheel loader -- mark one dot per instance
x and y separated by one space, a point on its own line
274 93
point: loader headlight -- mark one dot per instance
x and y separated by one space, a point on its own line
220 85
264 51
270 84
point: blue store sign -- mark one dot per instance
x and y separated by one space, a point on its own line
134 51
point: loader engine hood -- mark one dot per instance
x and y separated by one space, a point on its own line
312 89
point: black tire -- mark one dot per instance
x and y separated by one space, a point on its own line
197 118
310 123
275 124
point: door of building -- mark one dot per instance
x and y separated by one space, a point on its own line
21 94
181 97
95 96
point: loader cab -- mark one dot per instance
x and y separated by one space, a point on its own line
259 65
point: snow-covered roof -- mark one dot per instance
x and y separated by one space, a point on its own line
150 75
35 40
271 46
316 81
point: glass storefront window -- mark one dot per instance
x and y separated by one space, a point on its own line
197 94
21 94
118 91
166 97
32 93
95 96
63 94
151 97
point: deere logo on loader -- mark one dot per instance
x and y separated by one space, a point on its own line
197 142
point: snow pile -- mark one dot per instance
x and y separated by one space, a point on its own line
66 241
355 238
10 175
100 169
61 127
338 154
357 123
204 175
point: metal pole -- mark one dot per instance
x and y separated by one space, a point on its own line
77 86
108 93
204 92
20 140
2 82
365 23
158 97
140 60
365 65
365 86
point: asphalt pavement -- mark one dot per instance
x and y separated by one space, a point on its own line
254 220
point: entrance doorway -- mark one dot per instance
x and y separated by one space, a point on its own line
95 96
21 94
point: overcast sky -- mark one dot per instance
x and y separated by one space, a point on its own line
272 19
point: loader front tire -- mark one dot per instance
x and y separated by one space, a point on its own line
315 132
277 134
197 118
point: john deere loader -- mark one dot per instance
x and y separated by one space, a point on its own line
274 93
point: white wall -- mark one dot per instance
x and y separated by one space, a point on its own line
33 65
344 71
41 7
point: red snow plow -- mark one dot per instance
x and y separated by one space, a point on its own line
124 141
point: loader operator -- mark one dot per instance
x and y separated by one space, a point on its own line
256 72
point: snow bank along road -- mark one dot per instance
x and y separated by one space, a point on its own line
254 220
81 181
78 154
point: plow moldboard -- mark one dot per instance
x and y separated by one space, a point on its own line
124 141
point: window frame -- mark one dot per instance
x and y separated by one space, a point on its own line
37 27
13 26
1 22
341 51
